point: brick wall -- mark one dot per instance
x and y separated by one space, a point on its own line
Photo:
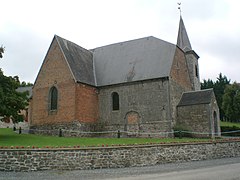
76 102
54 72
113 157
179 71
86 103
179 81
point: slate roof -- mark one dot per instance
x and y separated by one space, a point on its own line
183 40
196 97
140 59
80 61
135 60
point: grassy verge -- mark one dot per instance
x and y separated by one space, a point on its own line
229 124
230 129
10 138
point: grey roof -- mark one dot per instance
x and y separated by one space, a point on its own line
79 60
196 97
135 60
140 59
183 40
24 89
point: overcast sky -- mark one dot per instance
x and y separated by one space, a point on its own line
27 28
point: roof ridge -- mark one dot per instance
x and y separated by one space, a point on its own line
132 40
201 90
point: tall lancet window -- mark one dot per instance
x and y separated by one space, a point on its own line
53 98
115 101
196 71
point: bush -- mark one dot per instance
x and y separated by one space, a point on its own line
227 130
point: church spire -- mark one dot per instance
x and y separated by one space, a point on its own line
183 40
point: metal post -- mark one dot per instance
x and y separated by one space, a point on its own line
118 134
180 134
60 132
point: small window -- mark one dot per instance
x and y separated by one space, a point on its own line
196 71
115 101
53 98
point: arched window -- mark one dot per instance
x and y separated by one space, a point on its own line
115 101
196 71
53 98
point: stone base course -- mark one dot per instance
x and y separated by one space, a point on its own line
113 157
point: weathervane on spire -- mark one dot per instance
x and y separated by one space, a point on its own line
179 7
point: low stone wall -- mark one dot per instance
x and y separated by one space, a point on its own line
23 125
113 157
77 129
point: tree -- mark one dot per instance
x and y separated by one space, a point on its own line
231 102
24 84
11 101
2 49
218 88
207 84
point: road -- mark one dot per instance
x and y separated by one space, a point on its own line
219 169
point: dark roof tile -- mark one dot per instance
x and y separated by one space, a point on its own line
80 61
196 97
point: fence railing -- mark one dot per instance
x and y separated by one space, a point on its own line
119 133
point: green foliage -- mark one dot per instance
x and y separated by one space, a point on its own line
229 124
207 84
24 84
231 102
230 129
2 49
11 101
11 138
218 88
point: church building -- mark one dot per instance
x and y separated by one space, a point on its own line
143 87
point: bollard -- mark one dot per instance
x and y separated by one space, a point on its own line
20 130
180 134
118 134
60 132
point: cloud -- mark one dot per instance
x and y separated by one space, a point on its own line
24 50
28 27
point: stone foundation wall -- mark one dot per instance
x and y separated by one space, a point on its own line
23 125
77 129
112 157
74 129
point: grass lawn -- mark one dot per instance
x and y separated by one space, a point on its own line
10 138
229 124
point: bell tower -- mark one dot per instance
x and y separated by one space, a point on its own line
191 56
